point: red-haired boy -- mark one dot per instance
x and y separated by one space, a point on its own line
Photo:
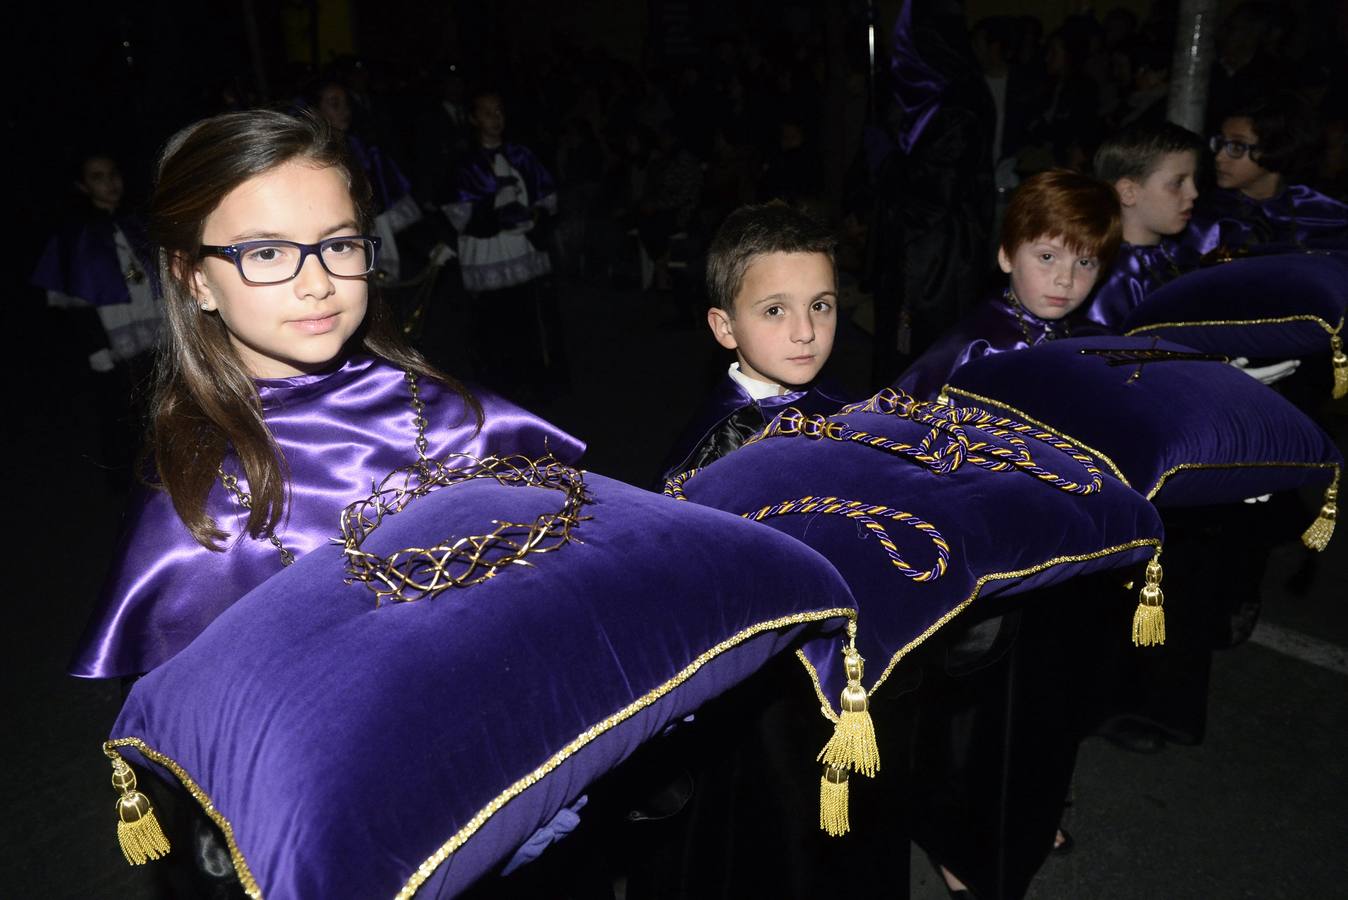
1062 229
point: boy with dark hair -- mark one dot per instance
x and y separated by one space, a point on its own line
1060 232
1261 145
1152 167
770 277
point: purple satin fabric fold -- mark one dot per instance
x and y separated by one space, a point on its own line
339 432
917 86
1297 216
1137 271
80 260
997 326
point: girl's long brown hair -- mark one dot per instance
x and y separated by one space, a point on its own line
205 401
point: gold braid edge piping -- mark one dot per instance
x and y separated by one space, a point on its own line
1282 320
460 837
978 587
1160 482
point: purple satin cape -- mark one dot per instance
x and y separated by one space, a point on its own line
1297 216
1137 271
728 398
995 327
917 85
476 180
339 432
80 260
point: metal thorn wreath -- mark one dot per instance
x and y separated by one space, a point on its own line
415 573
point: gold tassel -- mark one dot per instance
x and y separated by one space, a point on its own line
138 830
1322 529
1340 367
833 801
853 744
1149 620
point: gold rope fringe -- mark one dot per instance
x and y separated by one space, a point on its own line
1149 619
1340 367
138 830
1322 529
833 801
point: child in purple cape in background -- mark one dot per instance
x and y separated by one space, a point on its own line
1062 229
1152 167
1261 145
504 202
282 392
101 259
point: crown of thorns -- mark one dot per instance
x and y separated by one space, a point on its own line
415 573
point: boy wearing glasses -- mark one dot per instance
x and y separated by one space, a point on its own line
1152 168
1260 145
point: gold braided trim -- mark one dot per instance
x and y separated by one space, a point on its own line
1281 320
1026 417
1237 465
245 874
978 587
427 868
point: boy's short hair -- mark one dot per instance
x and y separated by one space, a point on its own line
1285 127
1082 211
752 231
1137 151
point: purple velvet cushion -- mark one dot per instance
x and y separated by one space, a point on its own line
1280 307
1006 531
346 746
1183 433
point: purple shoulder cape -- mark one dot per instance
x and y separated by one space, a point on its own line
339 432
995 327
729 398
80 260
1299 216
476 180
1137 271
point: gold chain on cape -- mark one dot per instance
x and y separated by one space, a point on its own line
245 499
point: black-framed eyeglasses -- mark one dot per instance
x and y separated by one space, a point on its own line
1234 149
276 261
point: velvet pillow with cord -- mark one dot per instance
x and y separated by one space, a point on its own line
1282 306
923 509
349 748
1181 427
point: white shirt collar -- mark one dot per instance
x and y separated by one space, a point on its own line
758 390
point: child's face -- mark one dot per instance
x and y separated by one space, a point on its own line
297 326
1163 202
1049 279
1239 174
785 318
335 107
488 117
101 181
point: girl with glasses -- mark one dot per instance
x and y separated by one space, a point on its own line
1260 147
281 390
